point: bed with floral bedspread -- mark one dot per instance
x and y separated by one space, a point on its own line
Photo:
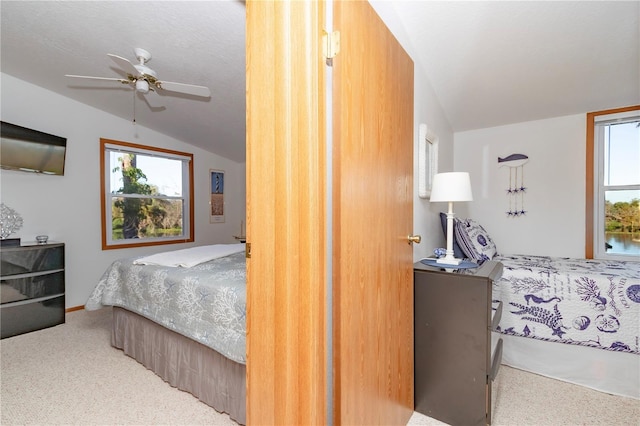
205 301
584 302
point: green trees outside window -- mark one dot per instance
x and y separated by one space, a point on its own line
147 197
139 217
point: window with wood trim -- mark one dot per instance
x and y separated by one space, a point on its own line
613 184
147 195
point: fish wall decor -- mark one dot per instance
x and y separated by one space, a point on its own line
515 193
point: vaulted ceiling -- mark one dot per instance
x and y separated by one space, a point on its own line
499 62
490 62
191 42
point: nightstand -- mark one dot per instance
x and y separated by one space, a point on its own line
32 288
454 365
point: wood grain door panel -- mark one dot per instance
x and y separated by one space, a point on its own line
286 204
286 223
372 216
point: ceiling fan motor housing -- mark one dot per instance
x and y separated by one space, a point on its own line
143 81
143 69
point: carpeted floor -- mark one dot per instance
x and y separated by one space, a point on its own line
69 374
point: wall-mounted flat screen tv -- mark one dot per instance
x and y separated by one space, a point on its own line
30 150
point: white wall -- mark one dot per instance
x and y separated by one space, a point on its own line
67 208
427 109
554 176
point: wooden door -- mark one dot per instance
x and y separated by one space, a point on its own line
286 205
287 222
372 217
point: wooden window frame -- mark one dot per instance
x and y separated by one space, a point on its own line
590 175
188 214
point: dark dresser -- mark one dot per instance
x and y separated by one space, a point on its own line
455 364
31 288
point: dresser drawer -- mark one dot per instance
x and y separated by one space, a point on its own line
27 259
32 286
496 361
22 317
496 317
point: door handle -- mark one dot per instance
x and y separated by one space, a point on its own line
414 239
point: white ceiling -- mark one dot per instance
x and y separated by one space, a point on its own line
499 62
490 62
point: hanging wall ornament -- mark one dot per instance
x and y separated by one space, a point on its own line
515 193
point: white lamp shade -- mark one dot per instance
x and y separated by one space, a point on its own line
449 187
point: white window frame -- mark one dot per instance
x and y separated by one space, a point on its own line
599 188
107 146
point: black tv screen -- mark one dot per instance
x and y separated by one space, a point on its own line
31 150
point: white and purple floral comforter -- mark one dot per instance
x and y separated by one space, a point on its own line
575 301
206 302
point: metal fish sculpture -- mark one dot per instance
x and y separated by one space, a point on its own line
515 193
513 160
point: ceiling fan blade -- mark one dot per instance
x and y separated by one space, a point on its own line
124 64
188 89
121 80
151 107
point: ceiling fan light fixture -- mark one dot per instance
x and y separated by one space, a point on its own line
142 86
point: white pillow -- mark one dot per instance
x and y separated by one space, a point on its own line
474 240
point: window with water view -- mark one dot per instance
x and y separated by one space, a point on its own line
618 215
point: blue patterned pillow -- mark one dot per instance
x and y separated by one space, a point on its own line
474 240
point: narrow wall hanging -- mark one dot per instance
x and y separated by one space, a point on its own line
217 196
515 163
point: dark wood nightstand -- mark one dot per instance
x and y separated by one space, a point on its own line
454 367
31 288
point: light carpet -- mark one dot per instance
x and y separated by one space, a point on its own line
69 374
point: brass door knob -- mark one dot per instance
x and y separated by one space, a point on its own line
414 239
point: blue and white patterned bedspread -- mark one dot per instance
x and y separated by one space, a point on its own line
575 301
206 302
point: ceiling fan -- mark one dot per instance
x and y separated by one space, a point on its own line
144 79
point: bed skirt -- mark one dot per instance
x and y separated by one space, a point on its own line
616 373
183 363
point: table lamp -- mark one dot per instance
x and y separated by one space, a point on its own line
450 187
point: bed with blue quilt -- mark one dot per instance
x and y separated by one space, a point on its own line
182 314
591 307
583 302
576 320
